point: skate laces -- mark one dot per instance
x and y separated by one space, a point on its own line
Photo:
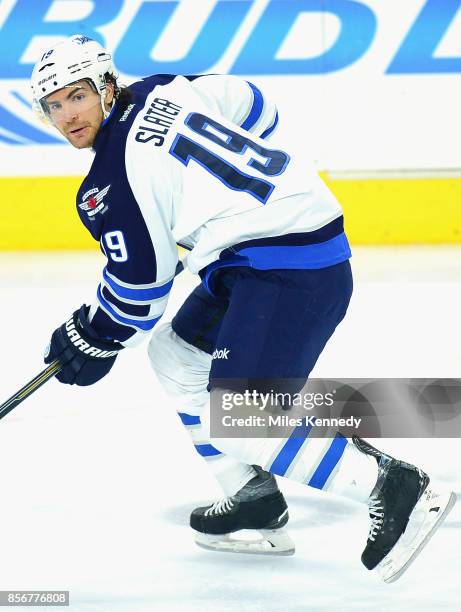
376 511
220 507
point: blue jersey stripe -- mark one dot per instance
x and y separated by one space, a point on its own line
329 462
301 257
270 129
189 419
309 256
138 309
142 325
289 451
256 109
141 295
207 450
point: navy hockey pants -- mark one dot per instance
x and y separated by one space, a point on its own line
266 326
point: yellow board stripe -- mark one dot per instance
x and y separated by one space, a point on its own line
400 210
39 213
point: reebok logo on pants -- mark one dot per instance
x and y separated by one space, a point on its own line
221 354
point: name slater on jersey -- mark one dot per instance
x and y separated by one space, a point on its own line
160 114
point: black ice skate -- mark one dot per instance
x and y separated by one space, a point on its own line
399 499
259 506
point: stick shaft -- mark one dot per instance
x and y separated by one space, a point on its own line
30 387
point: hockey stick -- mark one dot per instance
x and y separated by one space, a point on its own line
31 386
41 378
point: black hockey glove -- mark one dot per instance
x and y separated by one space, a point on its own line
86 358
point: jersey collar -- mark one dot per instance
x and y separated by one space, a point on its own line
98 139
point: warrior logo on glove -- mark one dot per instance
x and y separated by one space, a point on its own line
82 345
85 357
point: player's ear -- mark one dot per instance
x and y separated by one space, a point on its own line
109 94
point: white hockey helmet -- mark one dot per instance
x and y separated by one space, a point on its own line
75 59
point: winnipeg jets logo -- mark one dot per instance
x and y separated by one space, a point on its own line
93 201
81 40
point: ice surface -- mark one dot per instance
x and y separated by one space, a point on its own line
97 483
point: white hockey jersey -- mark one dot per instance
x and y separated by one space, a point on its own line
187 162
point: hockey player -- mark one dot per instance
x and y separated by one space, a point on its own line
185 160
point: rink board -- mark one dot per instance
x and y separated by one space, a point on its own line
39 213
368 88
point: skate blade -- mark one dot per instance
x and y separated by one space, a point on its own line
269 542
431 511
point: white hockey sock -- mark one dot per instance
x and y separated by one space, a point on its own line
329 464
355 475
232 475
182 370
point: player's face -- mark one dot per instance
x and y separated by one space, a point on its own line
76 112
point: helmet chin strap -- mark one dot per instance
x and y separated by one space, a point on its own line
106 113
102 97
